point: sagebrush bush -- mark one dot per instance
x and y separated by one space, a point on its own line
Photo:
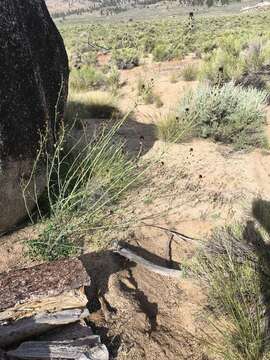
229 114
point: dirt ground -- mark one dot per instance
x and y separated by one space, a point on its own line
191 188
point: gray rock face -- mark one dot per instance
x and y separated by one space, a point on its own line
33 91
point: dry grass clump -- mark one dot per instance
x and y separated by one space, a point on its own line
171 128
233 266
87 105
189 72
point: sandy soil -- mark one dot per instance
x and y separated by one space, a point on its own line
192 188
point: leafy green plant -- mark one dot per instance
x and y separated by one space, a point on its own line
168 39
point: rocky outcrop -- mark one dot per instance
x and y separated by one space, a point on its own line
33 92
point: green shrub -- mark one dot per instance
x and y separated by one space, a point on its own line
222 67
126 58
229 114
254 57
148 43
162 52
86 78
231 60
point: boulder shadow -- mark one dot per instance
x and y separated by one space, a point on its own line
254 236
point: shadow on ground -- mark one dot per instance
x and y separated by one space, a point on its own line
255 236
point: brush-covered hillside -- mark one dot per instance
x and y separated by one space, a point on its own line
64 8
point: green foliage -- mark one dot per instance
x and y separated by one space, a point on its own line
230 114
86 78
126 58
233 58
49 246
168 39
162 52
256 55
224 63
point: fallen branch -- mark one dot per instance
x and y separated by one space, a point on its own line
176 233
130 255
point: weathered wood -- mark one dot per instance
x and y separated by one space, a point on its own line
38 350
52 286
130 255
26 328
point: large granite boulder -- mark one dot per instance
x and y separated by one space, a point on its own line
33 92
